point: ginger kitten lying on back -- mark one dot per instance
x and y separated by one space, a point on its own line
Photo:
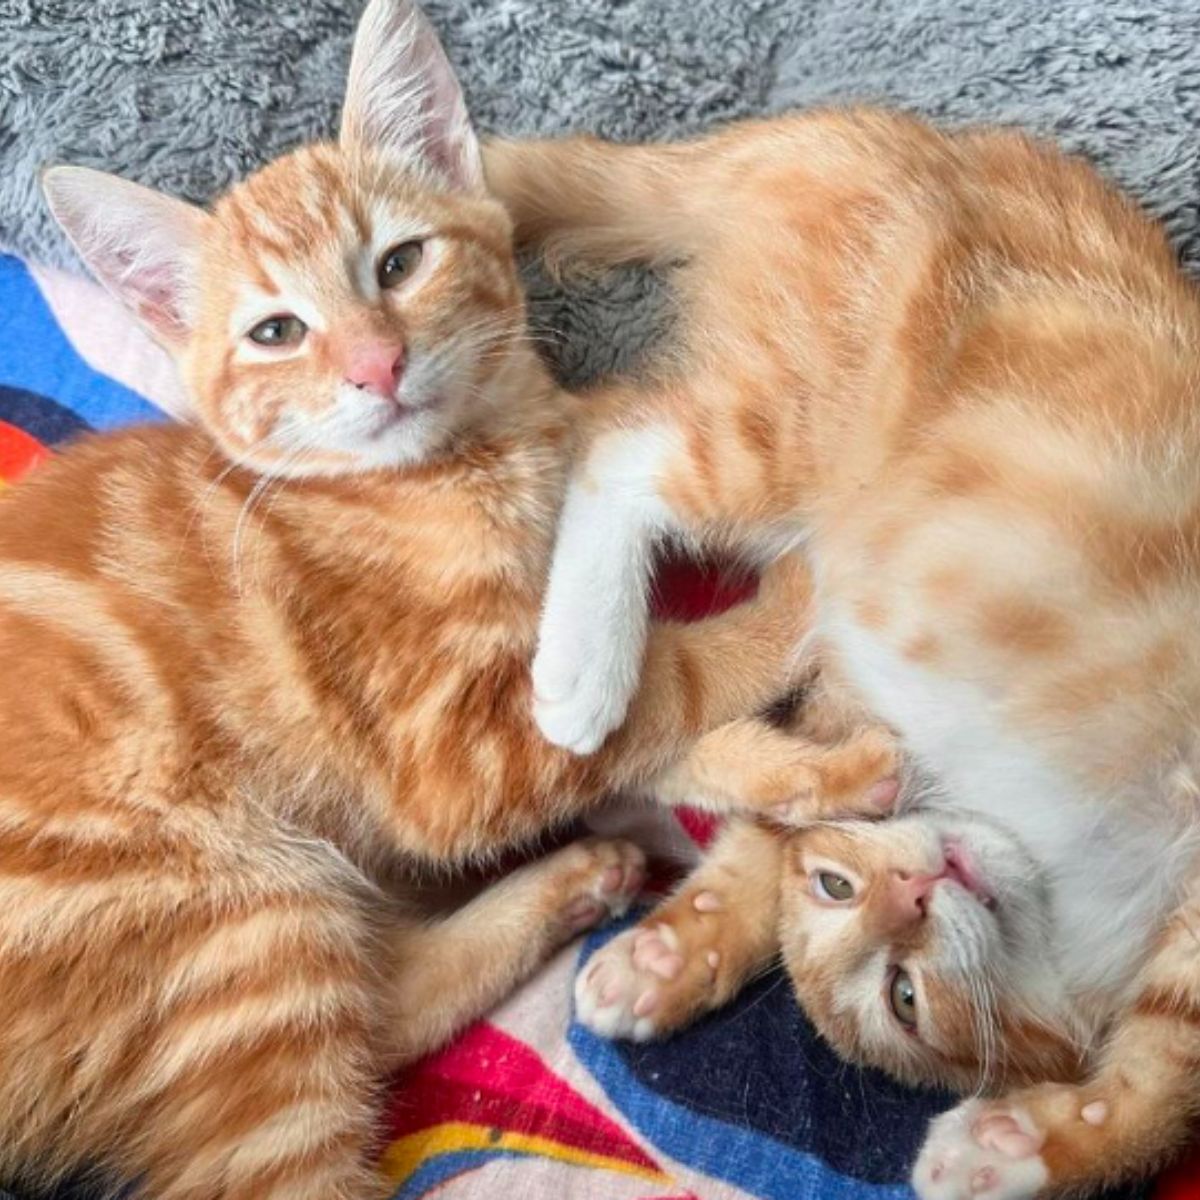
964 374
256 667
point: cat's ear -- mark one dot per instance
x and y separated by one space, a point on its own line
402 95
143 246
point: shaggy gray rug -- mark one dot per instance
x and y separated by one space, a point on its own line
187 95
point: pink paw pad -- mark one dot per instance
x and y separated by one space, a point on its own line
584 913
999 1131
983 1180
652 952
981 1151
646 1003
610 881
607 989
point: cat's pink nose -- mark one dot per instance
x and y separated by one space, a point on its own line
908 895
376 369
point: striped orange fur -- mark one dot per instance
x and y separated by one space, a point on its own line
260 668
962 373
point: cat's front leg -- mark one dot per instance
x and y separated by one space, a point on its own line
752 768
1128 1120
695 951
596 614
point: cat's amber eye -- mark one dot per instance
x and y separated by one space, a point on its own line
399 263
902 996
279 331
831 886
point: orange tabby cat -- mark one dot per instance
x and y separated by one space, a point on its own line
964 375
254 668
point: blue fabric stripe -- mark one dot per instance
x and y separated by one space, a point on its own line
742 1157
37 356
40 417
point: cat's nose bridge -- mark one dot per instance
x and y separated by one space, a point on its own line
905 897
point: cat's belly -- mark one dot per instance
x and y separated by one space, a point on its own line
951 727
1102 856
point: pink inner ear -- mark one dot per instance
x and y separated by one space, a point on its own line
428 116
448 124
155 294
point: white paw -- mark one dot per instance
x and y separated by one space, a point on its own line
593 629
642 984
616 992
981 1150
584 677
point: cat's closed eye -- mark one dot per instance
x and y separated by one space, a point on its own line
399 263
281 330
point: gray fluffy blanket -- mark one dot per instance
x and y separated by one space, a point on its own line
187 95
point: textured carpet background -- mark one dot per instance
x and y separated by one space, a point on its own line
188 95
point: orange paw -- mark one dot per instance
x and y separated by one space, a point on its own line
654 978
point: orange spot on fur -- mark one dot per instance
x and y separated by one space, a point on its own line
1168 1006
870 612
1024 626
959 474
923 649
947 587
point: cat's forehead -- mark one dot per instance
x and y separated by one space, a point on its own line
317 204
865 848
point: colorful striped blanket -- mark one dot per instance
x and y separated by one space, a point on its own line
749 1103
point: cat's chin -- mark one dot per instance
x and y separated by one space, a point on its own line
397 438
395 418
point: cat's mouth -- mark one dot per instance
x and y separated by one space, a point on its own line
399 412
960 867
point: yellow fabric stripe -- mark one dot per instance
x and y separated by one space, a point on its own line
404 1156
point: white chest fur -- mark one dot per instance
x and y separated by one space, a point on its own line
1110 876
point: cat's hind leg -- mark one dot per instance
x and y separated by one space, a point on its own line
450 972
1128 1119
199 1016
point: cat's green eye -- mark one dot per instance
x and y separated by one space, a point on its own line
279 331
399 263
831 886
902 996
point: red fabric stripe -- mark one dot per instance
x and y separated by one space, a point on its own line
1182 1182
488 1078
19 453
686 590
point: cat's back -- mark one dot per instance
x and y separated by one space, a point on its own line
88 631
1025 459
100 489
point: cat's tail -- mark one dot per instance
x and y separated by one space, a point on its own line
582 199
